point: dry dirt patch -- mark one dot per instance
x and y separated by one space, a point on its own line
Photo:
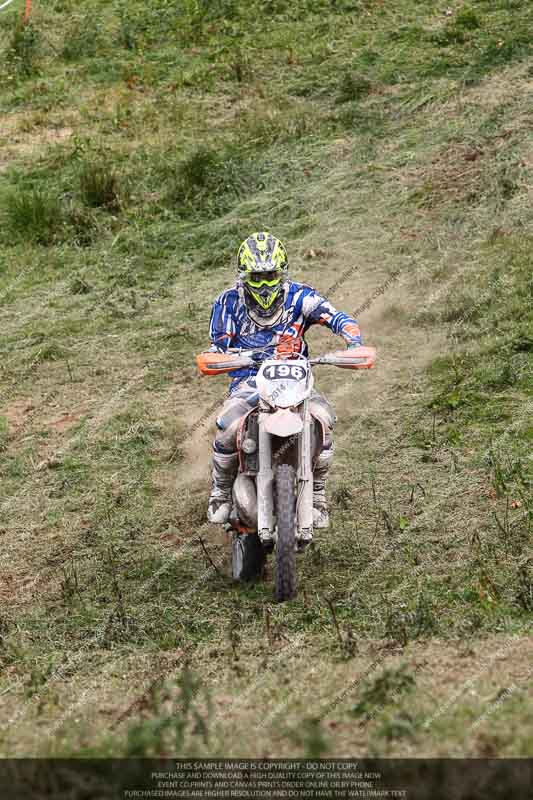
19 143
496 90
17 412
64 422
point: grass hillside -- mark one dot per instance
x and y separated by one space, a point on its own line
390 146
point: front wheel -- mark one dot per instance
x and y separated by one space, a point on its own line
286 524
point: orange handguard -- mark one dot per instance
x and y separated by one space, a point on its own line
218 363
354 358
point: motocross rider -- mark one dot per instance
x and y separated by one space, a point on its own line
266 310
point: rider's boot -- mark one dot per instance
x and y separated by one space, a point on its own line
225 466
320 503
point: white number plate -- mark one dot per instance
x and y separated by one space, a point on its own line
293 372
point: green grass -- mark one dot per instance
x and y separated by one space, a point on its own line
34 216
141 145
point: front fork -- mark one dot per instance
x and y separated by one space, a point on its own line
304 508
265 483
265 480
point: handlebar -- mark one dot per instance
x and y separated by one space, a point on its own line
212 363
255 355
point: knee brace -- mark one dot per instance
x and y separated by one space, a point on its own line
321 468
324 415
225 466
324 459
229 421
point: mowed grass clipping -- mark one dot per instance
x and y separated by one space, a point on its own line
138 147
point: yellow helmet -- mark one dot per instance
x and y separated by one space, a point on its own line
263 266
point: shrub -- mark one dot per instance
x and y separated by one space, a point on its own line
467 19
4 435
503 51
385 689
176 720
353 87
200 169
99 187
22 52
35 215
208 179
455 31
82 39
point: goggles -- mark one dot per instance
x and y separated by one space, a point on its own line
258 279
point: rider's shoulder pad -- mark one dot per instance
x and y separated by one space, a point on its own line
228 295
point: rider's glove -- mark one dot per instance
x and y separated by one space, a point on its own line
352 345
258 356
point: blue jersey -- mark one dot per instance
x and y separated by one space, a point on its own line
232 326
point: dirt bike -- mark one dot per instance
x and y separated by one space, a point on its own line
277 442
